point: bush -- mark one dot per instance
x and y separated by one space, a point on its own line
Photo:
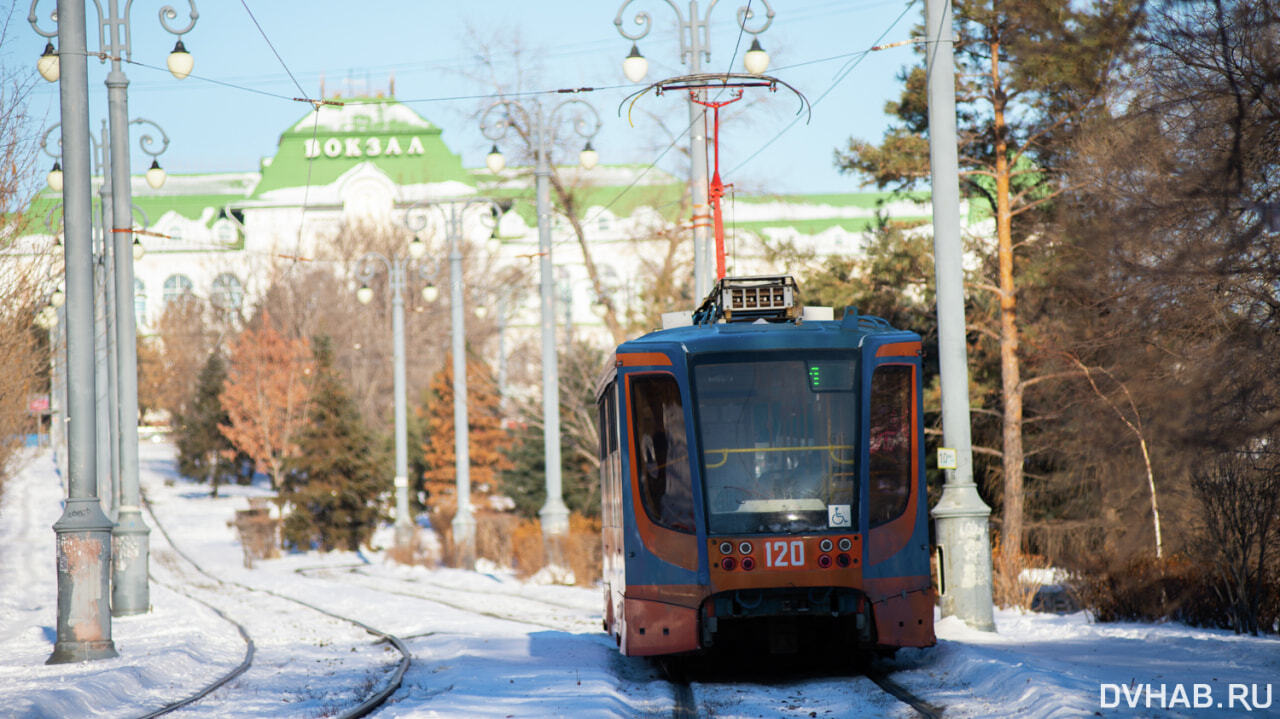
1174 589
1009 588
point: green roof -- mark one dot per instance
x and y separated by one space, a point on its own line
331 140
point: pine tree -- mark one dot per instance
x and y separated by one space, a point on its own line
334 488
204 453
487 439
1030 76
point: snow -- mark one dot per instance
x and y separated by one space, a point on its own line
485 644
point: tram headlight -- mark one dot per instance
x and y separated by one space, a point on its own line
845 544
825 545
726 547
745 548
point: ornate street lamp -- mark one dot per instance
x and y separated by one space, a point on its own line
695 46
535 126
756 61
48 65
180 61
130 592
396 266
454 213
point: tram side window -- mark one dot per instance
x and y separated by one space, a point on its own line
662 451
603 429
891 446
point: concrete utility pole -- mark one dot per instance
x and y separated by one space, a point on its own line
83 531
695 46
960 516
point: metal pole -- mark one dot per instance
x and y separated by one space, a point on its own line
83 531
130 591
104 399
464 523
57 402
960 516
404 529
554 513
104 354
698 165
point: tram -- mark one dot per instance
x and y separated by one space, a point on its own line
762 480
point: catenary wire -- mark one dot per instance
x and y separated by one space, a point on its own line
840 76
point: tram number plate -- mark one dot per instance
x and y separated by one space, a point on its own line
782 553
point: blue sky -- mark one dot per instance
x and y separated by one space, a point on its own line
433 50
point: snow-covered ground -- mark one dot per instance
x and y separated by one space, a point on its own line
487 645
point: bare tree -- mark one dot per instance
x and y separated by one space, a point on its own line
26 272
265 395
1240 495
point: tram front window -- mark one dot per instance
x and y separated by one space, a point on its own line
779 444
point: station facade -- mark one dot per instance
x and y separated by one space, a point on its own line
374 161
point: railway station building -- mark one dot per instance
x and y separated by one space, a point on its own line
374 161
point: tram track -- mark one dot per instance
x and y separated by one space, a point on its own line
685 694
443 597
379 692
703 687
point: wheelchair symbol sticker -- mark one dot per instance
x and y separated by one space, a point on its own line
838 515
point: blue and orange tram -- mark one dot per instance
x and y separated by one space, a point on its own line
762 472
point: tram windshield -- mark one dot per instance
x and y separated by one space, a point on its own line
779 443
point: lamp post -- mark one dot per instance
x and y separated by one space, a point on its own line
535 125
83 531
130 592
366 268
453 214
695 46
105 360
960 515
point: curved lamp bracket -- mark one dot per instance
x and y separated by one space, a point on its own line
167 13
146 140
34 19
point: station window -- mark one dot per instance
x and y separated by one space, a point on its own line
227 294
139 302
891 447
662 451
176 287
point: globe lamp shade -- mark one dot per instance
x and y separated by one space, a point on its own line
635 66
417 248
756 60
48 65
138 250
482 312
180 61
156 175
430 293
54 178
364 294
495 161
588 157
57 298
